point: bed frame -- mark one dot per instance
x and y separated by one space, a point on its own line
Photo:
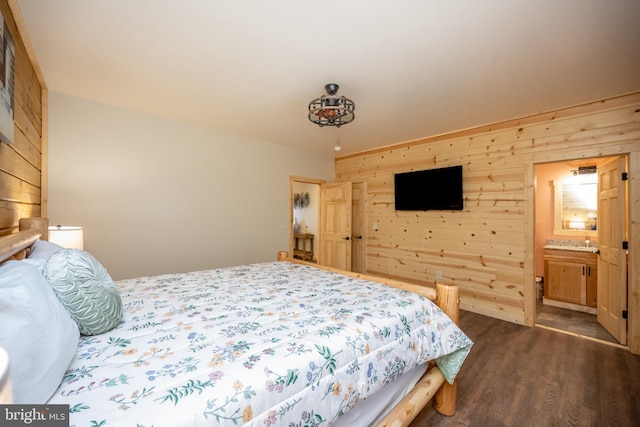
432 386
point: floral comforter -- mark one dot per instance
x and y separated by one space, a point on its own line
257 345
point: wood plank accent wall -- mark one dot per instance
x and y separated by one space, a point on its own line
23 162
487 249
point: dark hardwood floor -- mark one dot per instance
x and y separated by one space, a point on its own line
520 376
571 321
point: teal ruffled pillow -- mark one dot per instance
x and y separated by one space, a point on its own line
85 289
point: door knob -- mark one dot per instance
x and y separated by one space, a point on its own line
359 236
346 238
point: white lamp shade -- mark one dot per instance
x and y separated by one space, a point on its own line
67 237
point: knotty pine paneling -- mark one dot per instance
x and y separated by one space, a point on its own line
21 163
483 248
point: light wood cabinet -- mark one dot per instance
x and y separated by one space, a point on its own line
571 276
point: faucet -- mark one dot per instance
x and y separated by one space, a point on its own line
586 241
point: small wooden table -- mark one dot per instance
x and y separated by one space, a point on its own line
303 253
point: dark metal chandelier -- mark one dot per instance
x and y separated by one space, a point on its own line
330 109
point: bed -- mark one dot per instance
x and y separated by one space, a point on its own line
275 343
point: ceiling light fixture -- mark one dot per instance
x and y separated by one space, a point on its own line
330 109
582 170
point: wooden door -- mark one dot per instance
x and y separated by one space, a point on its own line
358 227
335 229
612 262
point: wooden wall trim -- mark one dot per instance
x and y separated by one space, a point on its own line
589 107
634 252
44 172
529 245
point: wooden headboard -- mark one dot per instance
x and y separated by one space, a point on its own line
17 245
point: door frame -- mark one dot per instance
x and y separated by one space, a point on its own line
633 211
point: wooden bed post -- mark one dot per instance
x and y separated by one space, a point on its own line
448 300
16 245
40 224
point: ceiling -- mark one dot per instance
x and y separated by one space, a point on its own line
414 68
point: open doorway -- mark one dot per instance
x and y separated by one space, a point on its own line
566 247
312 203
304 211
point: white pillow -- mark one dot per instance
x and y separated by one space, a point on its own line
41 251
37 332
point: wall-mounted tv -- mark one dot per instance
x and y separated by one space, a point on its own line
431 189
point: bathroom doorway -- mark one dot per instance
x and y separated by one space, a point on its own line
558 227
305 235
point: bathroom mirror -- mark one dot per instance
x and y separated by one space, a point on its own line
576 205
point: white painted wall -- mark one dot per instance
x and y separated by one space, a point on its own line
156 196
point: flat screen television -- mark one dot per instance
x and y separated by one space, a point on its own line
431 189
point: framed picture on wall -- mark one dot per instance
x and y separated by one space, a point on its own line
7 62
